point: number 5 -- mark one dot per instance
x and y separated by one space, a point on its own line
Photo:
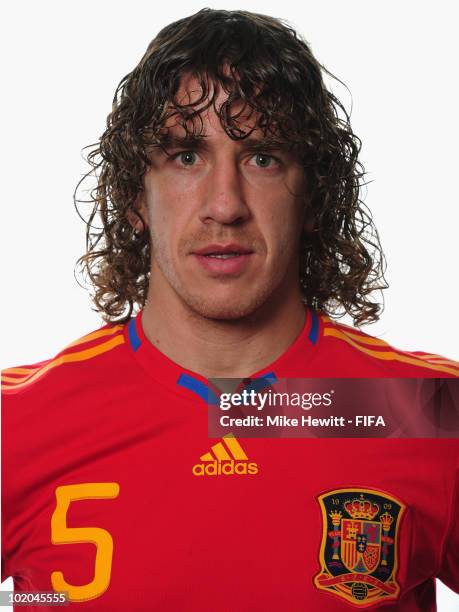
61 534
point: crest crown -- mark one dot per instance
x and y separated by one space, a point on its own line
361 508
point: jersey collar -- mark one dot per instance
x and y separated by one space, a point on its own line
166 372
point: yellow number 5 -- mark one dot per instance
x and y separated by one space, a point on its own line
61 534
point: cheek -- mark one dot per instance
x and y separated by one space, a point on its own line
283 233
167 226
158 221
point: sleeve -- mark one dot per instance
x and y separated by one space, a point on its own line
449 569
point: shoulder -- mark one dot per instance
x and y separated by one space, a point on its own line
77 357
354 343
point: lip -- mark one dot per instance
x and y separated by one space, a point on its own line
233 266
223 248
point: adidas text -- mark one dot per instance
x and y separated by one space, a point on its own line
225 468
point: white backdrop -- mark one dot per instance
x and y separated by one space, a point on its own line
62 62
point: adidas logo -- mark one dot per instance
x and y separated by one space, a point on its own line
228 458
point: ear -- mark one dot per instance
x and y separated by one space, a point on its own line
139 208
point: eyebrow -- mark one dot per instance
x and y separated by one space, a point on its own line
200 142
188 141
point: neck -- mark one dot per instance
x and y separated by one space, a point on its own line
217 348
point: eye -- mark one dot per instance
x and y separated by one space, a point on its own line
262 160
187 158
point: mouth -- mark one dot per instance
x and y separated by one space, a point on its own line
223 251
222 255
220 259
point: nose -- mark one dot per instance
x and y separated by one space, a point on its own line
224 200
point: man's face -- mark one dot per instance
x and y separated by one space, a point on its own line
225 218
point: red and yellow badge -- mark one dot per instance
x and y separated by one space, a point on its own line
359 549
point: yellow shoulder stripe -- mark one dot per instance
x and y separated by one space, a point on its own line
88 338
438 359
21 370
364 339
390 355
368 340
352 333
109 331
90 353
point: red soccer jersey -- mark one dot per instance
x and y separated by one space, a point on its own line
113 491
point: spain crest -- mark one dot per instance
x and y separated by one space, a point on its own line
359 549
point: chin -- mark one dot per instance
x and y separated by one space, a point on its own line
225 310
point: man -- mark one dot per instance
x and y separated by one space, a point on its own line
229 195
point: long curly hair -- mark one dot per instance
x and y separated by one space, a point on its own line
263 63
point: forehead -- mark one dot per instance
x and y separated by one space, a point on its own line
194 109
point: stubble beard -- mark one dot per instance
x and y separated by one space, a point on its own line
244 305
241 307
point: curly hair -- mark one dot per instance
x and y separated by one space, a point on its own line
263 63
